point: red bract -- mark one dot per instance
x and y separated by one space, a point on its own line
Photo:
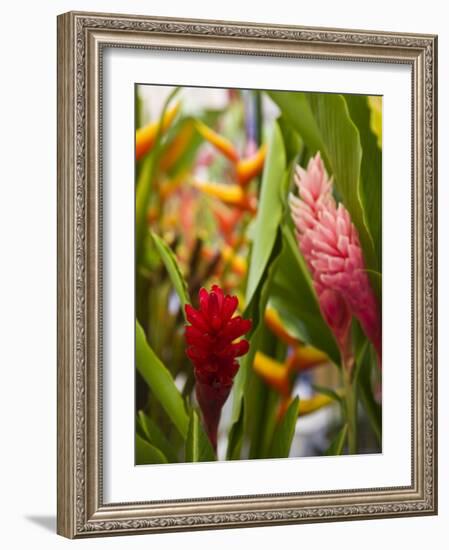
213 351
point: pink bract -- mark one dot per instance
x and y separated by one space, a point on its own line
331 247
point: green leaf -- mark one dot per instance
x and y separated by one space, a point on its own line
296 109
337 444
285 431
265 419
261 401
161 383
375 107
235 438
169 260
371 168
292 142
198 447
373 409
254 310
294 298
269 211
146 453
155 435
376 283
324 123
257 299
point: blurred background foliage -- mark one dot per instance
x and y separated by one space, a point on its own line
213 171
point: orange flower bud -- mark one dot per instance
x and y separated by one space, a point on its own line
276 326
231 194
146 136
315 403
228 193
249 168
219 142
306 406
273 373
306 357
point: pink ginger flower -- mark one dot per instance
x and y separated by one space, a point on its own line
331 248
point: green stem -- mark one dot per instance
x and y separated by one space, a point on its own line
351 410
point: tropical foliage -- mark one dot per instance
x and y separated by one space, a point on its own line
258 274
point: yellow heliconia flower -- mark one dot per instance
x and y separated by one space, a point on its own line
304 357
219 142
276 326
246 168
228 193
307 406
274 373
315 403
231 194
249 168
146 136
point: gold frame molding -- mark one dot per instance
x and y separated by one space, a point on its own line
81 39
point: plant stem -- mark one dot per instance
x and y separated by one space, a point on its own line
351 410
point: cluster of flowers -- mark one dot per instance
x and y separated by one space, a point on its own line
331 247
212 348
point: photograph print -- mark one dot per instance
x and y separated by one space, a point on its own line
258 274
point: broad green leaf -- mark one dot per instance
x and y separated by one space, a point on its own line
155 435
338 443
261 400
255 306
235 438
146 453
324 123
285 431
373 409
296 110
294 298
161 383
292 142
198 447
375 105
255 311
169 260
268 418
371 168
376 283
269 211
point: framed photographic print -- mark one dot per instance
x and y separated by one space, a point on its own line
246 274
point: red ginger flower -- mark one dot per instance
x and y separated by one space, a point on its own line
330 245
213 351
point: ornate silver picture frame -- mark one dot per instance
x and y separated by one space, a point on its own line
82 40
